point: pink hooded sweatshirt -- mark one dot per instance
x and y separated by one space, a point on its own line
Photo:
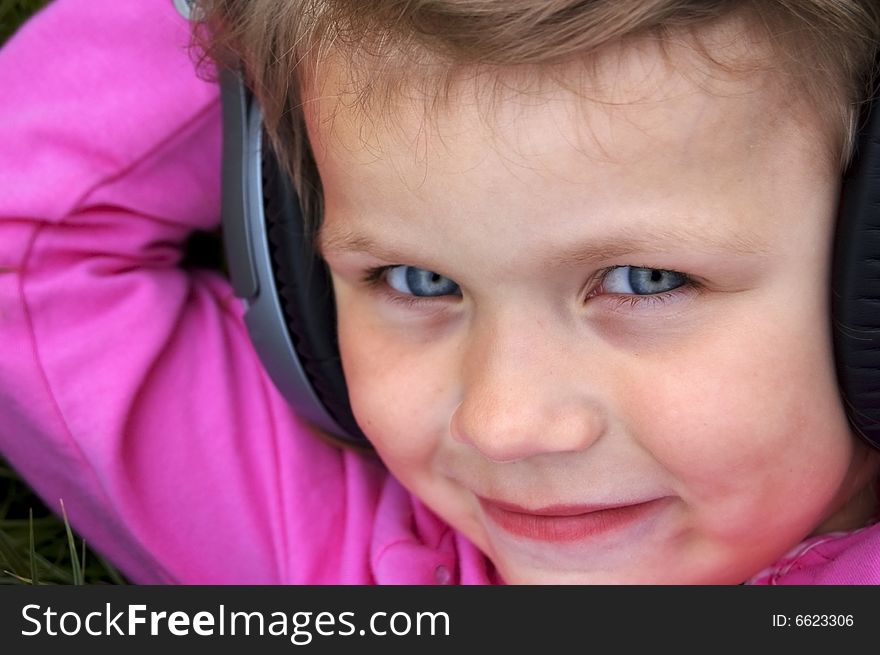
128 385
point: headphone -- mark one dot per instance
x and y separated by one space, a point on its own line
855 284
291 315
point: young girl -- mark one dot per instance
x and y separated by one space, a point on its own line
580 255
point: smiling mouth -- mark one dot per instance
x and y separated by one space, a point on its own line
566 522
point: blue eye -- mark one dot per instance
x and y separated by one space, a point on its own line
641 281
419 282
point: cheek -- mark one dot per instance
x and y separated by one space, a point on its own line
748 418
398 388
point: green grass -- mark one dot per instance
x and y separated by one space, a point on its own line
37 547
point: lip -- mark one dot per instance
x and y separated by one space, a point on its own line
560 523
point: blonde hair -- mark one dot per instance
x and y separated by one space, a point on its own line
828 48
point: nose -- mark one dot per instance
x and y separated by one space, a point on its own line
524 394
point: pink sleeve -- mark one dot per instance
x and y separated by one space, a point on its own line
128 387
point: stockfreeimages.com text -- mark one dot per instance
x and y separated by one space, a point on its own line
301 627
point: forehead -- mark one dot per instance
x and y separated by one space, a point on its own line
363 103
646 82
628 119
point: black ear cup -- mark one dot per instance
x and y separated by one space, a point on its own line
856 286
306 293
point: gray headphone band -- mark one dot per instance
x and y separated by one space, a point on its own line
184 8
248 254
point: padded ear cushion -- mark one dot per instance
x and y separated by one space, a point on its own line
306 292
856 286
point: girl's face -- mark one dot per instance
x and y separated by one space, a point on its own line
591 332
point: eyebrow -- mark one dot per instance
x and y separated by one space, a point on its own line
630 242
626 242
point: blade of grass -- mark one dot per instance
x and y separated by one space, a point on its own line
82 572
114 576
74 558
52 573
33 551
16 577
9 552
